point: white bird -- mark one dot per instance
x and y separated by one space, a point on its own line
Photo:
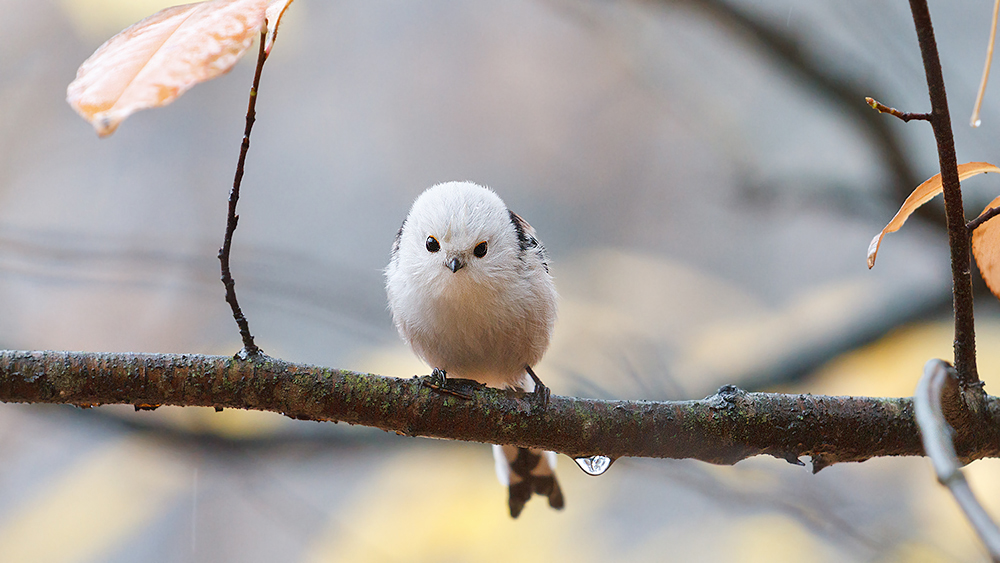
470 292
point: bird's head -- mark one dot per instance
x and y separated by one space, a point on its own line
457 234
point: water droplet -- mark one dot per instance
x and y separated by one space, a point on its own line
594 465
977 123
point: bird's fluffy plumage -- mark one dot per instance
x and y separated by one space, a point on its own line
482 316
488 320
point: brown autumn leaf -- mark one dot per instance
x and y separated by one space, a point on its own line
921 195
156 60
275 10
986 249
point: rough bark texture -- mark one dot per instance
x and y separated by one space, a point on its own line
724 428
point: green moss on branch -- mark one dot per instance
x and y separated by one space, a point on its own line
724 428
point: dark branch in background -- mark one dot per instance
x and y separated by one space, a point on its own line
249 348
936 435
958 234
842 90
790 54
724 428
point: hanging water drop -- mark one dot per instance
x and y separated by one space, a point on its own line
977 123
594 465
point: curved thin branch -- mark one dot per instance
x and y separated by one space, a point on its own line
724 428
936 435
249 348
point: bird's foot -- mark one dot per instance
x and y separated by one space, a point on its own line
438 381
437 377
540 396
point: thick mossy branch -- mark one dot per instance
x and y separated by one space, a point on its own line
724 428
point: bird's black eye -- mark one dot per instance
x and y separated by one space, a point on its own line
432 244
480 250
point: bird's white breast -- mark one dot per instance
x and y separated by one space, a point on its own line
484 330
488 319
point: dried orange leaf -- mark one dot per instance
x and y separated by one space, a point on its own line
156 60
986 249
275 10
924 193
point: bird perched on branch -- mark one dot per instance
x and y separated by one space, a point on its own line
470 292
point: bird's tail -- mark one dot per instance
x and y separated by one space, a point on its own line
527 471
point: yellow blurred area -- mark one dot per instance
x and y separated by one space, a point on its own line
229 423
941 520
752 341
714 330
444 504
97 503
892 366
761 539
100 19
917 552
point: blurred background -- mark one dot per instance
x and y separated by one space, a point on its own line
705 174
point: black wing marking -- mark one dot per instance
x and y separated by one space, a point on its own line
526 239
395 243
525 234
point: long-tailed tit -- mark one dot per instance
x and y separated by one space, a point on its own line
470 292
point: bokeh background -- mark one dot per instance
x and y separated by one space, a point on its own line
706 177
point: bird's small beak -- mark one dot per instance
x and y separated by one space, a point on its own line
455 264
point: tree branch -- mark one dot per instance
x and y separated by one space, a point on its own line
958 234
905 116
249 348
724 428
984 217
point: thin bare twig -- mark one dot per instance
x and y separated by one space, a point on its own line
905 116
936 435
974 120
958 234
249 348
984 217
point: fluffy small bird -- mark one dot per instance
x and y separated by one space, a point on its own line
470 292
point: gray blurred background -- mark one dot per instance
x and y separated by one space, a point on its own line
705 174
